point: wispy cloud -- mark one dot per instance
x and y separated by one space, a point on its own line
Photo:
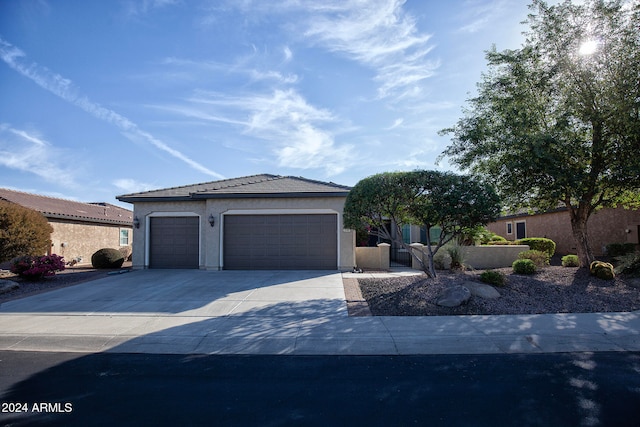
378 34
64 89
300 135
129 185
478 15
26 151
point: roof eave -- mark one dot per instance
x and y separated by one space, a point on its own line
290 195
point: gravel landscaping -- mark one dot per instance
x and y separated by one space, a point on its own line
551 290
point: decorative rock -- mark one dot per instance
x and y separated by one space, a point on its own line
454 296
7 286
481 290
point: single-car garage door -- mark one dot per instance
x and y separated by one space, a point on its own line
173 242
280 242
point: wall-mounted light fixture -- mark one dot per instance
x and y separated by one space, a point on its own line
136 222
627 231
212 220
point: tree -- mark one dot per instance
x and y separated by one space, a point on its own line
23 231
557 122
452 202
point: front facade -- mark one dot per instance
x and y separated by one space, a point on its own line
604 227
260 222
79 229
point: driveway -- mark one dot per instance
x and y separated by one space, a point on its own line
276 312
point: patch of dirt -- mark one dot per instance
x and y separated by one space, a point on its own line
551 290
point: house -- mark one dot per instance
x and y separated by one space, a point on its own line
79 229
605 226
258 222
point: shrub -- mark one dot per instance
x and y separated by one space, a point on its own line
493 278
23 231
628 264
539 258
456 254
37 267
539 244
602 270
501 242
497 238
570 261
615 250
524 266
107 258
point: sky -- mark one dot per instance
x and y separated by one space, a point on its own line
104 98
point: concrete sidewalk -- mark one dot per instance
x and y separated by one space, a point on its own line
301 313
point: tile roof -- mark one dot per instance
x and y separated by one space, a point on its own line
253 186
52 207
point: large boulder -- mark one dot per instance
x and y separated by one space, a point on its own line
454 296
481 290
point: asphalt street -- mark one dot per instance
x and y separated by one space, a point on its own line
561 389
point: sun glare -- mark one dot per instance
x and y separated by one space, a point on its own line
588 47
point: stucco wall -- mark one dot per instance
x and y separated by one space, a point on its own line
478 257
605 226
211 237
368 258
78 239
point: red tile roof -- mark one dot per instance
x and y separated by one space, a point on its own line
52 207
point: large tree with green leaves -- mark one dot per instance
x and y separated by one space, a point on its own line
454 203
557 122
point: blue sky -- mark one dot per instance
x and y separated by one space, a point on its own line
102 98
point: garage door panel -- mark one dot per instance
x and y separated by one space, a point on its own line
280 242
174 242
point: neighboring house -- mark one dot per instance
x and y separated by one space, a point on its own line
605 226
79 229
251 223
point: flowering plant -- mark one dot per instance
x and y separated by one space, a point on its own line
37 267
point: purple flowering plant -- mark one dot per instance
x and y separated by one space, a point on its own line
37 267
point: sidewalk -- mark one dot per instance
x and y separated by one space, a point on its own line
282 314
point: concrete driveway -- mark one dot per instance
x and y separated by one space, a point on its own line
276 312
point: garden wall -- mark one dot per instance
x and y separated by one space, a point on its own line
373 258
480 257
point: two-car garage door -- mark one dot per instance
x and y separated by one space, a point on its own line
280 242
250 242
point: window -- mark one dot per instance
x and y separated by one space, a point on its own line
124 237
509 228
406 233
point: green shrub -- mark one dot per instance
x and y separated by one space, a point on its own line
23 232
107 258
615 250
456 254
628 264
602 270
524 266
497 238
539 258
493 278
570 261
501 242
539 244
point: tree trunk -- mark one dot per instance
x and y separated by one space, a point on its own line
579 218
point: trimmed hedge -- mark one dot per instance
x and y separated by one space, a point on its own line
493 277
539 244
524 266
570 261
615 250
539 258
107 258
